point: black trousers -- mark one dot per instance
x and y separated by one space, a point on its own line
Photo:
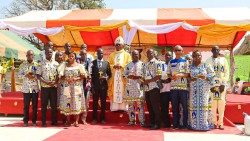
49 95
102 94
27 97
153 105
165 100
179 97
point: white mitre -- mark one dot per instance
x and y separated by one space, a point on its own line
119 40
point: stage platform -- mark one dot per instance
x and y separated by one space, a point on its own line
12 104
236 106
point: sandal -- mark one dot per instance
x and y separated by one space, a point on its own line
76 124
84 123
131 123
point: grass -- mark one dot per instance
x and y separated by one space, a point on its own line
242 67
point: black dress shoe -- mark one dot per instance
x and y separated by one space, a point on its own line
155 127
54 124
166 126
142 124
44 125
147 126
94 122
183 127
25 124
103 122
175 127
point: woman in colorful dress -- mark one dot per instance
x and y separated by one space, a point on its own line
200 117
72 101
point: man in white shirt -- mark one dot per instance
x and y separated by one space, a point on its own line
165 94
178 70
27 72
48 75
221 70
152 74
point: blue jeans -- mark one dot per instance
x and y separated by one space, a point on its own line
179 97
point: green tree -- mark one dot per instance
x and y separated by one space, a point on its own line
19 7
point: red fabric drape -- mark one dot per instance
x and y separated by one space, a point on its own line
238 37
103 38
179 36
42 37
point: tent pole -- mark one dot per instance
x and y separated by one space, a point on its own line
232 62
13 80
199 42
232 67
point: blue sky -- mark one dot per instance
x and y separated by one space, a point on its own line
175 3
163 3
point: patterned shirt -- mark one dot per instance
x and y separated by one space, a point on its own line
178 66
152 69
134 91
135 69
42 56
48 71
1 69
28 85
221 70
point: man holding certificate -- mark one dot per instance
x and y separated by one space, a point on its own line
221 70
30 88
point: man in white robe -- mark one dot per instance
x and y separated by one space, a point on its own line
118 60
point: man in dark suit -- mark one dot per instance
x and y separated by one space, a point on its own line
100 73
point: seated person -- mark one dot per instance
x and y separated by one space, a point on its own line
246 88
237 86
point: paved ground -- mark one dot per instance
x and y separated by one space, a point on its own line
39 134
203 137
23 133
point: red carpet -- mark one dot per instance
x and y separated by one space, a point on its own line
123 133
120 132
107 133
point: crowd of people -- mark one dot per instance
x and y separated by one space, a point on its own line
195 90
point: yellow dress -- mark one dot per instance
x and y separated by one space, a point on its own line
117 82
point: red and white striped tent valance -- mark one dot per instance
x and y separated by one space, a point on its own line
101 17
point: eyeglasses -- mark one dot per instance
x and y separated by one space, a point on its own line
177 50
